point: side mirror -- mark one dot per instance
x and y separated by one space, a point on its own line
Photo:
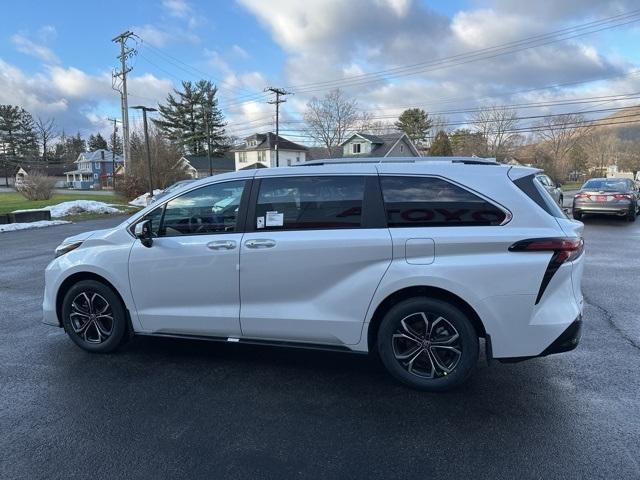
558 185
143 233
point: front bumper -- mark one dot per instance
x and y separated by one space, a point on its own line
567 341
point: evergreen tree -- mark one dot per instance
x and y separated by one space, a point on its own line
191 118
416 123
441 146
115 143
97 142
466 143
17 138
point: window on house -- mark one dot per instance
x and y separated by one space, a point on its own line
355 148
434 202
298 158
311 203
401 148
288 162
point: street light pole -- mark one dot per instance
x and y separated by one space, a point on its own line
146 140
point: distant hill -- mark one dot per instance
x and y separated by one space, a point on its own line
626 123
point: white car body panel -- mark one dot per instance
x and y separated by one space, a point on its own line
324 286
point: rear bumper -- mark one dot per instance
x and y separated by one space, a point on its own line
606 208
567 341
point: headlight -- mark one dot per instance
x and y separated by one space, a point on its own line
66 248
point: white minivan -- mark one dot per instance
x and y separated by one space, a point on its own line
413 261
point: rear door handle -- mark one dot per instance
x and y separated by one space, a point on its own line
221 245
260 243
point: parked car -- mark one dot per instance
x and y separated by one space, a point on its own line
609 196
413 262
554 189
172 188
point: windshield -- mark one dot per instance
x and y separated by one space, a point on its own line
606 185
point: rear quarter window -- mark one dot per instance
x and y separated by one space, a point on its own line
533 189
435 202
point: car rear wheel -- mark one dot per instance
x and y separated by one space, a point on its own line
577 215
94 317
427 344
631 216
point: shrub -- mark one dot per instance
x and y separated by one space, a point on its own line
37 186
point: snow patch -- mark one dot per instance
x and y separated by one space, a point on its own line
11 227
75 207
142 200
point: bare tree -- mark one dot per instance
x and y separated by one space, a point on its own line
561 133
46 133
629 156
497 125
331 119
601 148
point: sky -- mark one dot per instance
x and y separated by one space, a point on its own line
57 57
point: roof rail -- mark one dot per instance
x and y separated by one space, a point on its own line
340 161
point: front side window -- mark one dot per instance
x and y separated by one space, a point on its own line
306 203
204 211
434 202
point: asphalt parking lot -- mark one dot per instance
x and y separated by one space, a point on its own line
179 409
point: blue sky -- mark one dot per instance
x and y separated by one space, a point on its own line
56 57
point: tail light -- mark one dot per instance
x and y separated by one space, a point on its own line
581 195
622 196
564 250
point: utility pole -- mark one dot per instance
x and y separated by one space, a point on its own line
113 151
125 53
280 92
206 126
146 139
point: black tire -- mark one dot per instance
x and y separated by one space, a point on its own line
577 215
631 216
87 321
445 322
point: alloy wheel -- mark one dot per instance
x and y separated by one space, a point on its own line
427 345
91 317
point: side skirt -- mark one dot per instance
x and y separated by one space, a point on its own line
250 341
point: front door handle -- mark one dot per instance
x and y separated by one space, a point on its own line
221 245
260 243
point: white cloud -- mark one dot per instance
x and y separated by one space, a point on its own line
239 52
29 47
155 36
77 100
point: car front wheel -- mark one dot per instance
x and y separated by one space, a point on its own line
427 344
94 317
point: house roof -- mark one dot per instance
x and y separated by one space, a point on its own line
266 141
51 170
97 156
253 166
319 153
382 144
223 163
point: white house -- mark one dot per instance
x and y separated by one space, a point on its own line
258 150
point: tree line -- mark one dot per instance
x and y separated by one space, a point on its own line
563 144
190 121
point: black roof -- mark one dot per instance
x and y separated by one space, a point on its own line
266 141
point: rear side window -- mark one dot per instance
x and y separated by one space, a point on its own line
536 192
305 203
434 202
